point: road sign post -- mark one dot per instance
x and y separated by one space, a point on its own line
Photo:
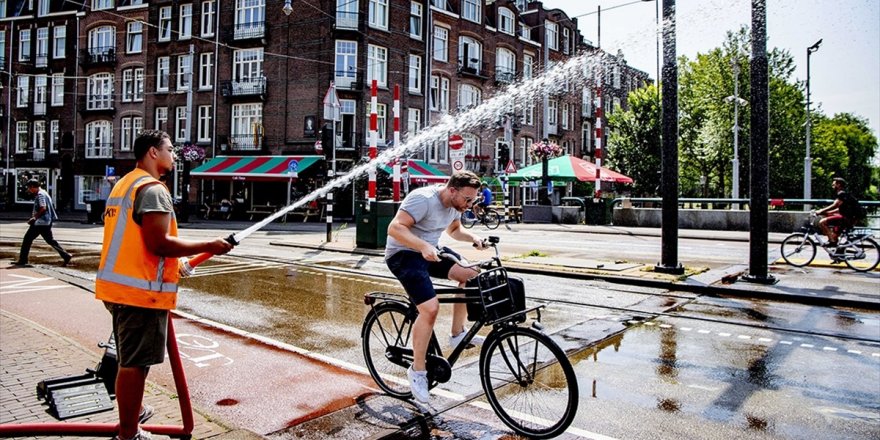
456 152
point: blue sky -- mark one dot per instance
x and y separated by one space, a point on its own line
844 72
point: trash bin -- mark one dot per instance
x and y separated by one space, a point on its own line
598 211
372 225
95 211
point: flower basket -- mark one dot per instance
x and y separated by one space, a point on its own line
545 150
191 152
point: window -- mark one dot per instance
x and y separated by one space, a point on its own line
99 140
377 65
24 45
184 71
204 127
247 68
135 41
438 152
180 134
57 89
42 7
551 34
415 74
185 21
528 67
127 85
441 43
552 111
21 136
471 144
99 92
505 20
165 23
209 14
439 94
381 121
102 40
125 136
525 31
529 113
615 105
101 4
379 14
40 135
2 43
586 137
206 70
470 54
346 14
468 96
247 126
346 63
250 16
522 4
525 145
138 84
615 76
566 36
42 47
587 102
161 118
440 4
137 126
41 83
505 65
54 135
415 20
565 116
470 10
24 91
413 121
163 72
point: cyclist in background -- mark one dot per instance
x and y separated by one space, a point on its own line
411 254
484 202
838 215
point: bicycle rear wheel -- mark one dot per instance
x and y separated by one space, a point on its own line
798 249
468 219
529 382
387 327
492 219
865 258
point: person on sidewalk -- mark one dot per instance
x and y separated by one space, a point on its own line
411 254
42 217
839 215
139 271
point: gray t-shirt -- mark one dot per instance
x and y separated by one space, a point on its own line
431 217
152 198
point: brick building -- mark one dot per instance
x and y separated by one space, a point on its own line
244 82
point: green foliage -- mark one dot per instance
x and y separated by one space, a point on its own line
843 146
634 143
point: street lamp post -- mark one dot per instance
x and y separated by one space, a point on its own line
656 33
737 101
808 161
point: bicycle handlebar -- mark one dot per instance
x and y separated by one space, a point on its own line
492 241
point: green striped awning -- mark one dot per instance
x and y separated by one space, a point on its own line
418 171
254 167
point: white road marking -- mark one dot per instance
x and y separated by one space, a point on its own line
25 284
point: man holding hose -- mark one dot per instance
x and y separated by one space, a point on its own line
139 271
411 254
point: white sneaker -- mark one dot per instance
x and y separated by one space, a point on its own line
455 340
418 384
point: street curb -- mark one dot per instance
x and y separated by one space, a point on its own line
700 289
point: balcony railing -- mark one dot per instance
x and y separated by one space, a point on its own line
99 150
504 76
245 142
98 56
247 31
39 154
346 20
97 103
244 87
39 108
345 81
473 68
42 60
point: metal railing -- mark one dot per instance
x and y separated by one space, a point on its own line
245 142
249 30
244 87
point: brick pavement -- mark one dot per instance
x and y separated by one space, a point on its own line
30 353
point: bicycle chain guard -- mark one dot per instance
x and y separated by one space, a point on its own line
439 369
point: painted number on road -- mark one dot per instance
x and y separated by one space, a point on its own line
201 351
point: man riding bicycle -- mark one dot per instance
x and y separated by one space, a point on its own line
840 214
411 254
484 201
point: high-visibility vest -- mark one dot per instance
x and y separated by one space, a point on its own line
129 273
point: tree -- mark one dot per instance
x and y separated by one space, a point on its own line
634 142
843 146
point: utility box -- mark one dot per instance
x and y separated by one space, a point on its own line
372 224
598 211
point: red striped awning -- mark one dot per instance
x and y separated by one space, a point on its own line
419 171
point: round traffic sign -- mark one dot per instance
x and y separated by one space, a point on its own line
458 165
455 142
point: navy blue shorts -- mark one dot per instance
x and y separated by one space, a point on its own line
415 272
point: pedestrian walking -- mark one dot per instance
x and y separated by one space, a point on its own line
139 271
43 215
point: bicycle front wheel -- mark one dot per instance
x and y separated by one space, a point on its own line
529 382
798 249
492 219
864 256
387 328
468 219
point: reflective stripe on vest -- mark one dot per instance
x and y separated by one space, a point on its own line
125 206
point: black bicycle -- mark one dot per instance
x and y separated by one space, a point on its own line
528 380
856 247
488 217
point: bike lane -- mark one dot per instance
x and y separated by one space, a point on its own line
242 379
